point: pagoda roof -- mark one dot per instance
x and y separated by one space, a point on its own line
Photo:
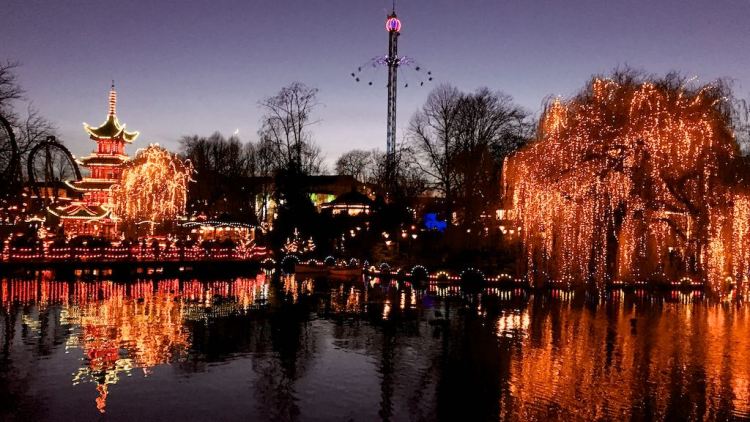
81 212
108 159
111 129
91 184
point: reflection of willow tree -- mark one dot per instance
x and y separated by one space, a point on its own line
633 179
585 363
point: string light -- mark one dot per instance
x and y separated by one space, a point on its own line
153 186
632 181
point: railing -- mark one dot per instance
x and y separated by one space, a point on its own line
133 254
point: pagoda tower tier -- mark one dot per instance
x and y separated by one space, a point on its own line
92 214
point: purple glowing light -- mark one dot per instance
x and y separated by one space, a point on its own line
393 24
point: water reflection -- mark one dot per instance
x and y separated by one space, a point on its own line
120 330
297 348
120 327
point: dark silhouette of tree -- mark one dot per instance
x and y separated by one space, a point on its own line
30 128
356 163
216 154
10 89
432 131
461 141
409 180
286 147
285 129
740 122
222 167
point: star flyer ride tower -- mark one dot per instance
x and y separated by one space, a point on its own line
92 214
394 63
393 26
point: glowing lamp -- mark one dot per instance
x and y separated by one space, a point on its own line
393 24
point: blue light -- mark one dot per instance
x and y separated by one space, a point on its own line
431 222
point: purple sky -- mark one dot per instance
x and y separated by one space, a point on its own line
185 67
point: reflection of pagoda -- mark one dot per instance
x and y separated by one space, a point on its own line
93 214
121 331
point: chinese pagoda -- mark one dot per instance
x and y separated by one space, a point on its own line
92 213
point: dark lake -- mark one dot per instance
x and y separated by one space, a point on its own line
264 348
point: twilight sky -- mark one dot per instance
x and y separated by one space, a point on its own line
190 66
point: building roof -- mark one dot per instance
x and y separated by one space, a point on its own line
110 129
80 211
91 184
59 189
352 198
103 159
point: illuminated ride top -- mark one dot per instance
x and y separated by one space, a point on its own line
92 214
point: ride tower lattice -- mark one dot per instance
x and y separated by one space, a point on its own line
393 26
394 63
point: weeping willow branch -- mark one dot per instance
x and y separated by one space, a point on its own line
635 179
153 186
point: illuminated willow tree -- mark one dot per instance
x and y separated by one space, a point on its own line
633 180
153 187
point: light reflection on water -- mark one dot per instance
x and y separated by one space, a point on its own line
298 349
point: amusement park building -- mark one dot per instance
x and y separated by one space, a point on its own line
92 214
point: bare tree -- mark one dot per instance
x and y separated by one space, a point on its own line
285 126
461 140
433 133
409 180
490 127
216 154
30 128
10 90
313 159
222 166
355 163
250 154
739 111
267 158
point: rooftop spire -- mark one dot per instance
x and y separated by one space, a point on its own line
112 100
111 128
